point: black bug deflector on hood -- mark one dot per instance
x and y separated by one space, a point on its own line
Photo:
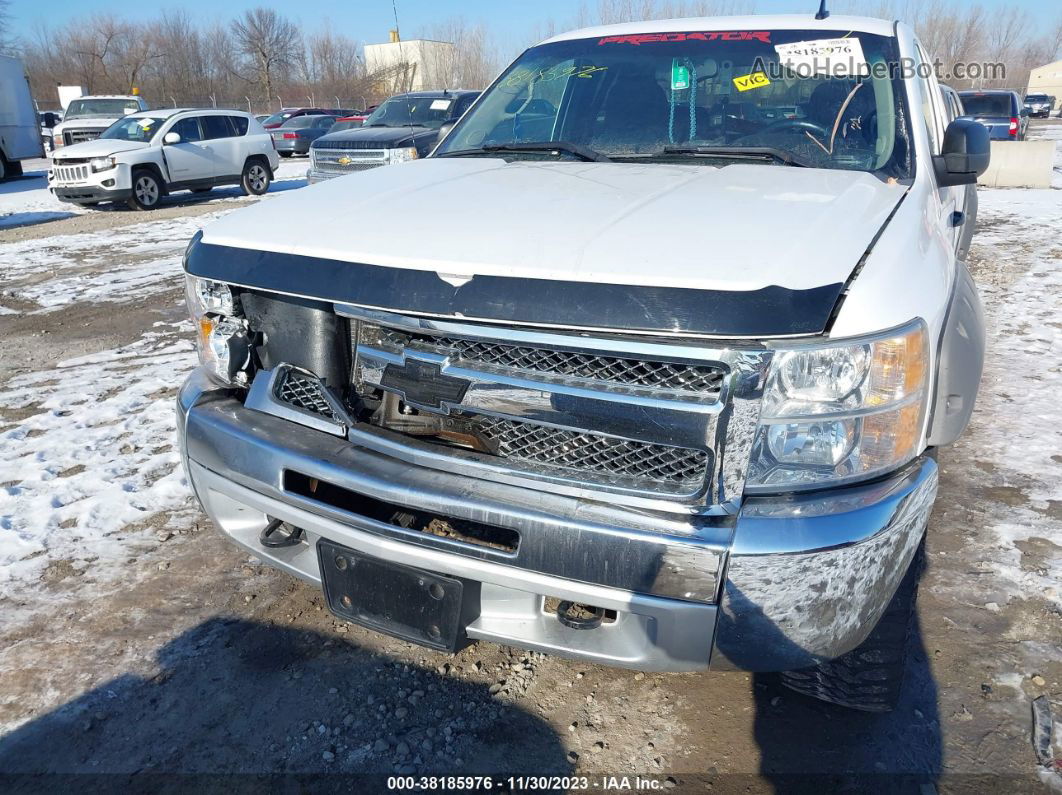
767 312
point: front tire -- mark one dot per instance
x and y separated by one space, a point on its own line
285 154
870 677
255 179
147 191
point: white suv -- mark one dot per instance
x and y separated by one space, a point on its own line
145 155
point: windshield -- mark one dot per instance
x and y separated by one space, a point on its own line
416 111
807 94
1036 98
987 104
101 107
137 128
277 118
302 121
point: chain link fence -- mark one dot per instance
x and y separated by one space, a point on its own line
260 106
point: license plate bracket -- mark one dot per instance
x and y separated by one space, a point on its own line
412 604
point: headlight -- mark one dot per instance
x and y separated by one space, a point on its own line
401 155
206 297
224 348
223 339
840 413
102 163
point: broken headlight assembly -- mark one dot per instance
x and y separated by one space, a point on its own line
841 413
222 336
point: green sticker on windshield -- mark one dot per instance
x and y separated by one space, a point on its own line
680 76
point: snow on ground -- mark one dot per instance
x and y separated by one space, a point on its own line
138 259
92 460
88 463
1016 432
131 260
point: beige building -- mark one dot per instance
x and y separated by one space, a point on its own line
1047 79
414 65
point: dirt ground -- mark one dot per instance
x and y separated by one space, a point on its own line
199 660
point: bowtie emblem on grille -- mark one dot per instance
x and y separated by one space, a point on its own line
423 384
345 160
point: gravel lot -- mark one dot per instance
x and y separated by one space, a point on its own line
135 640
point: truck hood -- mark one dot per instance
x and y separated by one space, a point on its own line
369 137
98 148
739 251
86 123
741 227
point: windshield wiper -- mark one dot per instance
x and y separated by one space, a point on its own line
740 153
581 152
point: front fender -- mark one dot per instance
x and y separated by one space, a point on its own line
961 360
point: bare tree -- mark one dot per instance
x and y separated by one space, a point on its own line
472 61
270 42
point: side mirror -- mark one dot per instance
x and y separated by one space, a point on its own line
964 155
444 130
1024 111
171 138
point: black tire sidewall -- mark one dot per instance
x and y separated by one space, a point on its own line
245 178
134 202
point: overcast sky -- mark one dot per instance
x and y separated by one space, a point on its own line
514 23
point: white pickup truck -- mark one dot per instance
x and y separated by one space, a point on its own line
672 399
86 118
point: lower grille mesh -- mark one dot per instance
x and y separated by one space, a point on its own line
586 452
304 392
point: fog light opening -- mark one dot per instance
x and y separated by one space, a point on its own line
576 615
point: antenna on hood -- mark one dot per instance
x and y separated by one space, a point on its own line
823 13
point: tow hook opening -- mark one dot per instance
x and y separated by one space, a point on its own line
279 534
576 615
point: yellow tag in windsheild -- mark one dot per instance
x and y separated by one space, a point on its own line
754 80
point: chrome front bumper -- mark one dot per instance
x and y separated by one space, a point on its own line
788 582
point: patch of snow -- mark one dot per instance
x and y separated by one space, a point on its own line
93 459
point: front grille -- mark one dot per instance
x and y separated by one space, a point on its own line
552 406
634 372
704 379
353 144
80 136
588 452
304 392
343 161
71 173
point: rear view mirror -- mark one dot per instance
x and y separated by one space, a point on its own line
964 155
171 138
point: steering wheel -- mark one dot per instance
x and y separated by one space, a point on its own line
796 125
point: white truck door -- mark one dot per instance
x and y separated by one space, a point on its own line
192 159
952 199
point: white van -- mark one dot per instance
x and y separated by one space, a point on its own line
20 134
145 155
